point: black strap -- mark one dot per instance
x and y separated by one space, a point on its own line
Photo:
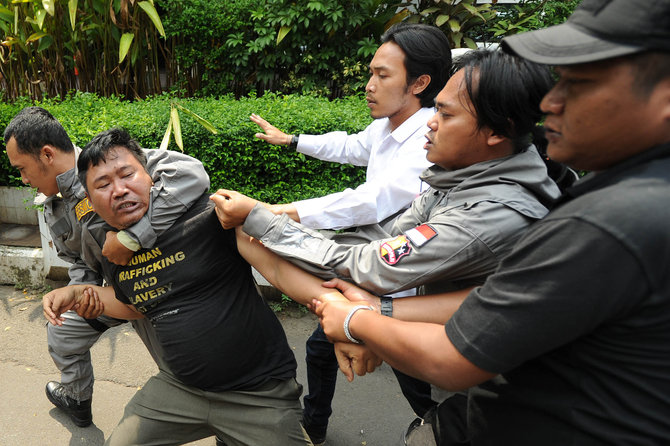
100 326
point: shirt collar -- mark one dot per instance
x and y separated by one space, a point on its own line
68 181
413 124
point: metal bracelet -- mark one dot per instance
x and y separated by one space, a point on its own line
353 311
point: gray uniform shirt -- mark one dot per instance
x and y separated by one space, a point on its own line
178 180
453 236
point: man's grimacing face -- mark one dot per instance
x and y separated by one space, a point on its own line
119 188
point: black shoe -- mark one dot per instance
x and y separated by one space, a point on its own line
220 442
419 433
79 412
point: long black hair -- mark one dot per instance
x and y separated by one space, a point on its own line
506 91
426 51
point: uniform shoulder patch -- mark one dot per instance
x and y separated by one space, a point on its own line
82 208
393 250
421 235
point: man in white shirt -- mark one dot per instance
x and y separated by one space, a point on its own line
406 73
408 70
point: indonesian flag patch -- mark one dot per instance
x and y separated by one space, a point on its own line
393 250
421 235
82 208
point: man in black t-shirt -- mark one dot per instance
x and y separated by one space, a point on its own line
232 373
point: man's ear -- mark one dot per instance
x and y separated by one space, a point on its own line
420 84
49 154
663 90
494 139
88 197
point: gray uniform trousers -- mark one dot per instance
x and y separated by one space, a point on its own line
69 347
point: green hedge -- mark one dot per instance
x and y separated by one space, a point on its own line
234 158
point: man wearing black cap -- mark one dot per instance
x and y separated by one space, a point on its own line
569 341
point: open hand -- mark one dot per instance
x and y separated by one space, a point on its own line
272 134
354 293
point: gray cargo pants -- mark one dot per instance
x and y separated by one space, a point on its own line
69 346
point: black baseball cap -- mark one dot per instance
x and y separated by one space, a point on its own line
598 30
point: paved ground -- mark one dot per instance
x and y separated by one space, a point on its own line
370 411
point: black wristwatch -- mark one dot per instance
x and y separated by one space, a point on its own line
294 142
387 306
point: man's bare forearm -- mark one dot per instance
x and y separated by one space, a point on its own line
288 278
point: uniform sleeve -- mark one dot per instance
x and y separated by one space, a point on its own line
80 273
178 181
552 289
453 252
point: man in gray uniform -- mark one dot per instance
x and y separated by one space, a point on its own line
40 148
408 69
487 185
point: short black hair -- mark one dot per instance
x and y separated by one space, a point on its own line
505 91
427 51
96 151
35 127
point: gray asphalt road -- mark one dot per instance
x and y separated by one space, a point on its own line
370 411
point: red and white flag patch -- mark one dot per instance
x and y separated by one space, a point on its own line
421 235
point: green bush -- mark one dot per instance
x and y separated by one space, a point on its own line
528 15
311 46
198 31
234 158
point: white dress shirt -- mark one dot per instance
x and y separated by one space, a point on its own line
394 162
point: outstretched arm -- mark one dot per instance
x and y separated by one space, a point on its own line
422 350
437 309
60 300
234 207
387 264
288 278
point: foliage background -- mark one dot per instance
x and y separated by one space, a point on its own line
303 51
134 49
234 158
